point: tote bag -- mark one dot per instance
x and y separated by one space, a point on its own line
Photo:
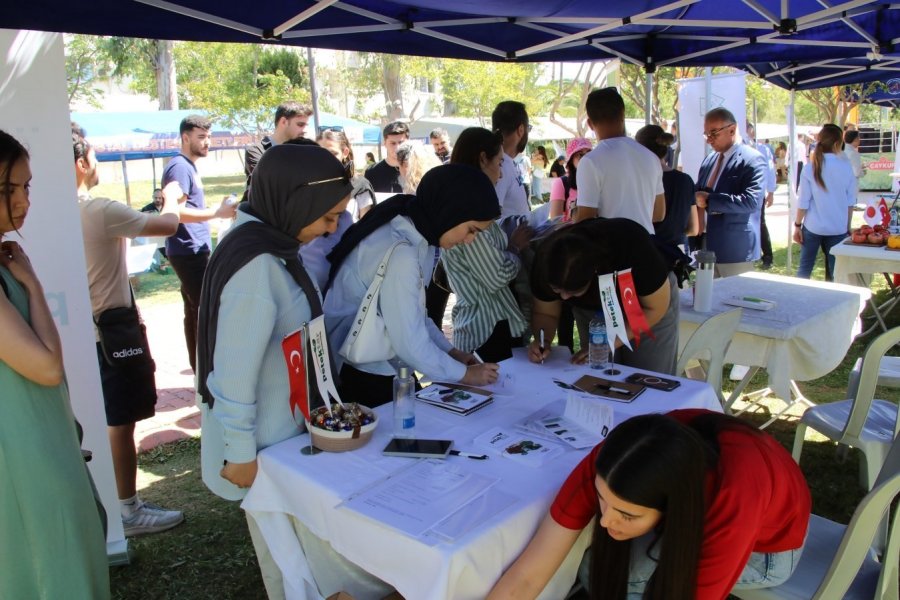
368 339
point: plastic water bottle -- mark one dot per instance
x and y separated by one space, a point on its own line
404 404
598 347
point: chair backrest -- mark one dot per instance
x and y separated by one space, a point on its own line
868 380
861 533
713 336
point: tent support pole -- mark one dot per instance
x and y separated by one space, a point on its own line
792 168
648 100
313 91
125 178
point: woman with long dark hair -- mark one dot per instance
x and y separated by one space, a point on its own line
486 316
51 536
566 265
564 190
453 203
691 504
826 198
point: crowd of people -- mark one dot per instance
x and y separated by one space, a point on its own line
311 236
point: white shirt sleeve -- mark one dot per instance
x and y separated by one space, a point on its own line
589 185
402 305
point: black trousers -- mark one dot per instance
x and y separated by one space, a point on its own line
499 344
367 389
765 241
190 269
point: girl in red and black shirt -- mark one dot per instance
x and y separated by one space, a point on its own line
689 505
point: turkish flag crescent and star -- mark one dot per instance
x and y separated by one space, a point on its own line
632 307
292 347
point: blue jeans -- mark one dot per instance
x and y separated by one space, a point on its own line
810 248
761 571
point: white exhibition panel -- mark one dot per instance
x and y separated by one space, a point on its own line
34 109
728 91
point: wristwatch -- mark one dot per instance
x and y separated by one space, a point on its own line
798 224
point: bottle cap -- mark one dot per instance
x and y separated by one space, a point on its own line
403 371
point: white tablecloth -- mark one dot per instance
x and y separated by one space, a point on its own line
850 259
804 337
310 487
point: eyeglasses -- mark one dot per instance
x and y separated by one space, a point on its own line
715 132
321 130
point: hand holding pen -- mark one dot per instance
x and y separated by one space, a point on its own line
537 351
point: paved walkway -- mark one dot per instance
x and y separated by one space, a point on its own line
177 416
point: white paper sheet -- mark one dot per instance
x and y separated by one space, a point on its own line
416 498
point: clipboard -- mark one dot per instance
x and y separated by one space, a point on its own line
620 391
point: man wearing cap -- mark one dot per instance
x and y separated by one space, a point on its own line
619 177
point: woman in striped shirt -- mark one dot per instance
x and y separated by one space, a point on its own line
486 316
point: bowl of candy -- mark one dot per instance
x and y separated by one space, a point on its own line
346 427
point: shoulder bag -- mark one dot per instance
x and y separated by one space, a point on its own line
123 336
368 339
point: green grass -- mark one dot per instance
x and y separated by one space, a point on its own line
211 556
215 189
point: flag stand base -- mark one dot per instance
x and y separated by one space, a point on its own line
309 450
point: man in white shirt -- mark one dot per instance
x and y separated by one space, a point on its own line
619 178
851 151
510 120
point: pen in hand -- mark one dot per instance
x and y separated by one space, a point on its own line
542 346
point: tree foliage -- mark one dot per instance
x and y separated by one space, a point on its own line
86 64
230 83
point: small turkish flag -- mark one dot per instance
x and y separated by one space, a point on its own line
293 348
632 307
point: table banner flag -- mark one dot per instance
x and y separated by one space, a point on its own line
612 312
633 310
292 346
318 342
877 212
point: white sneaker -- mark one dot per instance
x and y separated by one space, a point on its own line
150 518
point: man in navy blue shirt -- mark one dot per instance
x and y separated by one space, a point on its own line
188 250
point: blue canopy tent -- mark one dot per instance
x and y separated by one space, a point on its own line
643 32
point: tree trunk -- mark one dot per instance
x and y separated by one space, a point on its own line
166 88
391 84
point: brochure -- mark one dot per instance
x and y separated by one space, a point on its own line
531 450
454 397
582 423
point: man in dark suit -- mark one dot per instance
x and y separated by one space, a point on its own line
731 188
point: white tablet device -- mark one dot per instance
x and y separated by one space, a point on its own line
415 448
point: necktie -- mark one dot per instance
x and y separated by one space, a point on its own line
714 174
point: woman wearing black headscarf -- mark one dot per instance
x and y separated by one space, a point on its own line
452 204
255 293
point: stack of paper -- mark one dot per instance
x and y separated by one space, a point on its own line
456 398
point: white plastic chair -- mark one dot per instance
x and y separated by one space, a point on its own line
841 561
888 374
708 345
861 422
